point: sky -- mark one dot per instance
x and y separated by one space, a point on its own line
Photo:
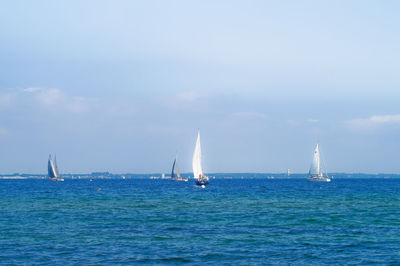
123 86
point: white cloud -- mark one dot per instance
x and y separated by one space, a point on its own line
58 100
310 120
187 100
50 97
373 121
385 118
36 99
32 89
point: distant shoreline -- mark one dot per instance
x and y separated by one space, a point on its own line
226 176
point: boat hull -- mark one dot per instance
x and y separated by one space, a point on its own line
180 179
202 182
56 179
319 179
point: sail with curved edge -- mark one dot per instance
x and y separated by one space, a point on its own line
175 167
52 169
315 169
196 162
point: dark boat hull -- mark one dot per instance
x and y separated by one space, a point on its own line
202 182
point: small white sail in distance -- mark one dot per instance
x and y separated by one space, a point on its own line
196 162
178 175
175 167
52 168
315 169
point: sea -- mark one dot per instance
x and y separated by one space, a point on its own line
238 221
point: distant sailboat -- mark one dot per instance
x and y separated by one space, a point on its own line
177 176
315 169
198 175
53 170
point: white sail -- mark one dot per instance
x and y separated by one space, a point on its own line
55 165
315 169
52 168
178 175
196 162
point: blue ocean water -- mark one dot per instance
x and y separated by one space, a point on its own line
237 221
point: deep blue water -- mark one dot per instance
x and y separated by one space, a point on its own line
238 222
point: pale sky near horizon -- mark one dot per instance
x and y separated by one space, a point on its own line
123 86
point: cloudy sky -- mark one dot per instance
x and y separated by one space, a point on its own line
123 86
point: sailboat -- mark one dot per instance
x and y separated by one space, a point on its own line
53 170
177 176
315 173
198 175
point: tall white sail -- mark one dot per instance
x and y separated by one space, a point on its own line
196 162
315 169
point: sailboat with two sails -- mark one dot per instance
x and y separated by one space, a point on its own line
315 173
198 175
177 176
52 169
